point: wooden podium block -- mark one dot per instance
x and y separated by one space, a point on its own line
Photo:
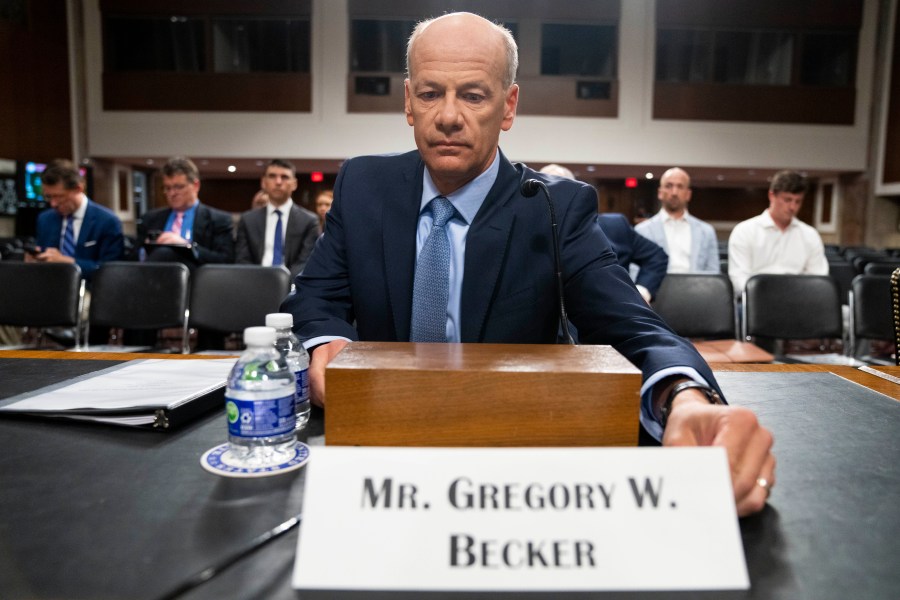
413 394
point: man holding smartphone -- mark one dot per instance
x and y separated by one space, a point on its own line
74 229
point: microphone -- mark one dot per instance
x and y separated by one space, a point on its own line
529 189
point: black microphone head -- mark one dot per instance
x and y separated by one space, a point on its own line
530 187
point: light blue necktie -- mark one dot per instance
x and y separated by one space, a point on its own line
431 288
68 245
278 245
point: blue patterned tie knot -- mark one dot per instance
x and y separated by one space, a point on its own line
431 288
68 245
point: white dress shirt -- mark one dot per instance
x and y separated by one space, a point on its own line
678 241
758 245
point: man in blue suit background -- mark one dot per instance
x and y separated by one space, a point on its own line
75 229
457 201
648 258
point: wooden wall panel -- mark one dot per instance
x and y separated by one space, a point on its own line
35 119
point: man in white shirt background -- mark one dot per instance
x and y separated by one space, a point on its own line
690 243
776 241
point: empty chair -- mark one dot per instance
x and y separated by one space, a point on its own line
697 305
870 316
880 267
41 295
229 298
140 296
792 307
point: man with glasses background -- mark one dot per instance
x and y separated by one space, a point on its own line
187 231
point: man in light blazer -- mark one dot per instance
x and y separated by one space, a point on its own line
497 282
256 235
690 243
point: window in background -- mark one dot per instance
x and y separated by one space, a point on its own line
379 45
587 50
828 59
155 44
242 45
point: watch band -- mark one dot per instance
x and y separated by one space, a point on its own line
711 395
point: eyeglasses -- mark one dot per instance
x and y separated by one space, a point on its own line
175 187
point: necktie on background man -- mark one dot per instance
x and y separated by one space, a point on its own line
176 224
278 244
431 288
68 245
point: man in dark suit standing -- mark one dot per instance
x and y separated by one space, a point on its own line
281 232
74 229
439 244
187 231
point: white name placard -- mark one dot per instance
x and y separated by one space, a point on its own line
519 519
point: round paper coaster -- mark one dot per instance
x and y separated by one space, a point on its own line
218 461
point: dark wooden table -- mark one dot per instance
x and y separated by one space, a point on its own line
98 511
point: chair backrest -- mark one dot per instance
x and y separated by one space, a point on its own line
697 305
870 308
134 295
843 273
229 298
792 307
41 294
881 267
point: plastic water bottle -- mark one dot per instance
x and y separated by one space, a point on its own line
259 403
297 358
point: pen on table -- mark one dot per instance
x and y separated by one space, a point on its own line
217 567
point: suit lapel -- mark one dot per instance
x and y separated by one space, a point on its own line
399 215
84 234
293 235
486 249
695 243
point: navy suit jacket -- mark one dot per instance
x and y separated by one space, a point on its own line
99 240
631 247
211 235
299 237
363 267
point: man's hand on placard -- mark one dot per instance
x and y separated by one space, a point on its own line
693 421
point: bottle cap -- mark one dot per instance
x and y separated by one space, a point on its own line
279 320
259 336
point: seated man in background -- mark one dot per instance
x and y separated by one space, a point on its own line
440 245
74 229
649 259
281 232
776 241
690 243
187 231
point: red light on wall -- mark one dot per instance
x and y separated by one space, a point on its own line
318 176
631 182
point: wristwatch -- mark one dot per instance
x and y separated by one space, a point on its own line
711 394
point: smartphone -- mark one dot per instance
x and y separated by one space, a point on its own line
31 249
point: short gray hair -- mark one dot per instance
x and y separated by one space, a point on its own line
509 42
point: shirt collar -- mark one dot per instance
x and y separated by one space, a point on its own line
79 214
468 199
769 222
284 208
667 217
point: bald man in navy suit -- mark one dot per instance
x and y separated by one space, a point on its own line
388 211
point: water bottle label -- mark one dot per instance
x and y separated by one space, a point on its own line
260 418
302 377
